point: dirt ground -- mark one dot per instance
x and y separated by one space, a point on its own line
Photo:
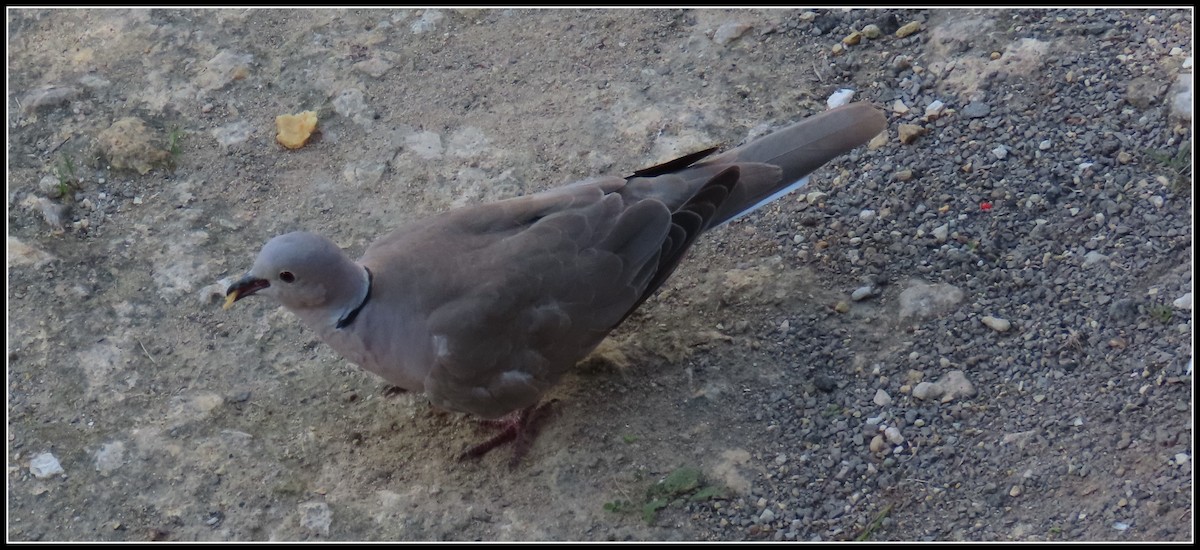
172 419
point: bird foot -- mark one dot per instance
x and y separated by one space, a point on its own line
520 428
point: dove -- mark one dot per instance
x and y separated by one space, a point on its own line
485 307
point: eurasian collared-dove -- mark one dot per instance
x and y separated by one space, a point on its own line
483 308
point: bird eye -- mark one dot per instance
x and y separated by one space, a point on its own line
286 276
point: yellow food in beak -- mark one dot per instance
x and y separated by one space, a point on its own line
230 299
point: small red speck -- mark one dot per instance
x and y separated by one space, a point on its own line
985 206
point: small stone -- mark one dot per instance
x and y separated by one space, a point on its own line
1044 145
1124 157
927 391
893 435
837 49
935 110
882 398
995 323
1183 302
50 186
862 293
1093 258
866 215
839 98
842 306
1015 491
45 465
899 107
767 516
871 31
1120 525
908 133
994 56
131 144
852 39
1000 152
903 175
878 444
955 385
941 233
1157 201
1181 95
878 141
908 29
976 109
316 517
729 32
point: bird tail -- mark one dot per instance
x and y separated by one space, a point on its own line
778 163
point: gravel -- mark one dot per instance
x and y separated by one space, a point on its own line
1043 191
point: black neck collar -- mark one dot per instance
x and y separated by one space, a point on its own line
349 318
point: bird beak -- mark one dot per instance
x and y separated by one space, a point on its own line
243 287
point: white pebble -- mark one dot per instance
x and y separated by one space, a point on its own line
1183 302
1044 145
767 516
941 233
997 324
934 109
899 107
866 215
45 465
1157 201
1000 151
137 200
1181 459
839 98
882 398
927 390
893 435
861 293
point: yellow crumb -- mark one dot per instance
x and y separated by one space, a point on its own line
294 130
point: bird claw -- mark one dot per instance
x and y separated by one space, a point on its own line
520 428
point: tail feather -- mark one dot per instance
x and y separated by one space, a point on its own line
792 153
769 167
